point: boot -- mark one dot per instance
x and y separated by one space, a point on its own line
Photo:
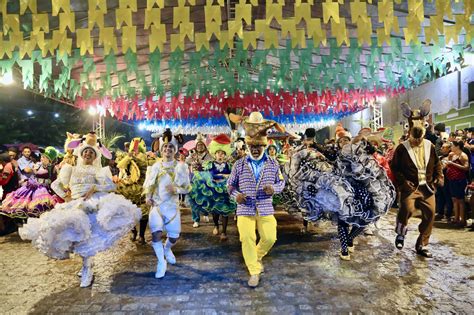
87 272
161 266
169 253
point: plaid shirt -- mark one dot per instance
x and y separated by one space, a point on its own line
242 180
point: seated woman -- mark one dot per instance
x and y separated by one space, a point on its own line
92 219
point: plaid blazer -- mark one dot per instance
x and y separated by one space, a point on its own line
242 180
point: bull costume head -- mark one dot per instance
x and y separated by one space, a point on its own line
417 117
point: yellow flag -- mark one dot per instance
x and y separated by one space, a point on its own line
273 10
25 4
462 21
395 26
96 17
123 16
201 41
450 34
40 41
339 31
132 4
254 3
315 31
468 5
364 31
437 23
5 48
226 39
16 39
260 27
62 42
101 5
382 37
129 38
157 37
250 38
180 15
176 42
151 3
27 47
235 27
11 22
385 11
443 8
212 13
410 35
413 24
108 40
416 8
186 30
57 5
331 10
299 39
270 38
243 11
40 22
431 34
288 26
152 17
213 28
302 11
3 10
84 41
67 19
358 11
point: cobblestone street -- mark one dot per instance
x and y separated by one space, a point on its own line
303 274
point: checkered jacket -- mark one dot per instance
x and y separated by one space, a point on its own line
242 180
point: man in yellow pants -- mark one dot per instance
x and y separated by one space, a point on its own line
253 181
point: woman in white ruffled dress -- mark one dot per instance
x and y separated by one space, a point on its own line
92 219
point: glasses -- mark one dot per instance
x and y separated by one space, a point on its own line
257 146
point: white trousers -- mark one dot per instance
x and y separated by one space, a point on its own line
165 217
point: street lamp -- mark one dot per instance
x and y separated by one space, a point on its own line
6 78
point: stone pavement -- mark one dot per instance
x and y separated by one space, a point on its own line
303 275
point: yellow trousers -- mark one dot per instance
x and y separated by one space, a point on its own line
253 253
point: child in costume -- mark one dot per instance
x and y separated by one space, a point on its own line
161 186
92 219
36 196
209 191
196 160
133 166
184 182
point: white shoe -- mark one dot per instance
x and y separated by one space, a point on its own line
253 281
87 276
195 224
160 269
206 219
369 230
80 272
215 231
170 256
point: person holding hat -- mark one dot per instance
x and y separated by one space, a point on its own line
162 183
92 219
209 191
199 156
35 197
252 183
133 166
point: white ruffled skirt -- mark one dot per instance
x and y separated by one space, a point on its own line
82 227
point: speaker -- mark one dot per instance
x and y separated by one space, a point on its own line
470 91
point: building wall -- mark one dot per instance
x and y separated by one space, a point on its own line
446 93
